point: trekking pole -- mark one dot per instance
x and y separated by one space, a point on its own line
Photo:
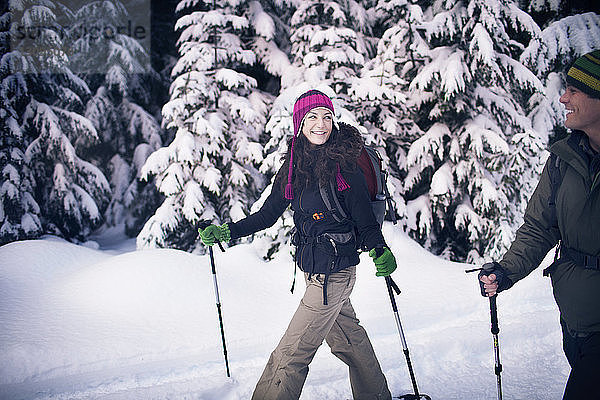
391 286
495 329
214 274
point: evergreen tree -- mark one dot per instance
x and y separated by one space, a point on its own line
380 92
271 44
117 68
209 171
327 45
473 97
19 211
48 107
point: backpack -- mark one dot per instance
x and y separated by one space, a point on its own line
370 163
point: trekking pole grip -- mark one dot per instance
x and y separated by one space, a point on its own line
390 282
391 287
212 263
494 315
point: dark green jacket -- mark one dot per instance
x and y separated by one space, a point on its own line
577 224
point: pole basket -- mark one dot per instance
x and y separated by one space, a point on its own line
413 397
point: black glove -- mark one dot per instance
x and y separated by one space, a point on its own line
501 277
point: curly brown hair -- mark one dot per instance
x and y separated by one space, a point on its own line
318 163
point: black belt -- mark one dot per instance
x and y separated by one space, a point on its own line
581 259
311 239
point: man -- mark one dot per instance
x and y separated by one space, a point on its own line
565 209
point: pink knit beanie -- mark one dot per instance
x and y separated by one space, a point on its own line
306 102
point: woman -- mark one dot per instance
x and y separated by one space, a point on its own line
326 251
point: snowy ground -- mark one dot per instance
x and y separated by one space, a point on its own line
104 321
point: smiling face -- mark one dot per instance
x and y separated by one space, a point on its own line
583 113
317 125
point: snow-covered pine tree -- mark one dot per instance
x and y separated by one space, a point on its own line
209 171
472 97
19 212
380 91
329 45
116 67
271 22
71 192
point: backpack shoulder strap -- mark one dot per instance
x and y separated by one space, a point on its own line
332 202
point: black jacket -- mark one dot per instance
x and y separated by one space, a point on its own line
315 252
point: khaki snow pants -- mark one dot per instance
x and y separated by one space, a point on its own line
336 322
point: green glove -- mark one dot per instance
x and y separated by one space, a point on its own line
385 263
214 234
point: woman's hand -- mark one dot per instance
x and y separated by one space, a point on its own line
384 260
214 234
